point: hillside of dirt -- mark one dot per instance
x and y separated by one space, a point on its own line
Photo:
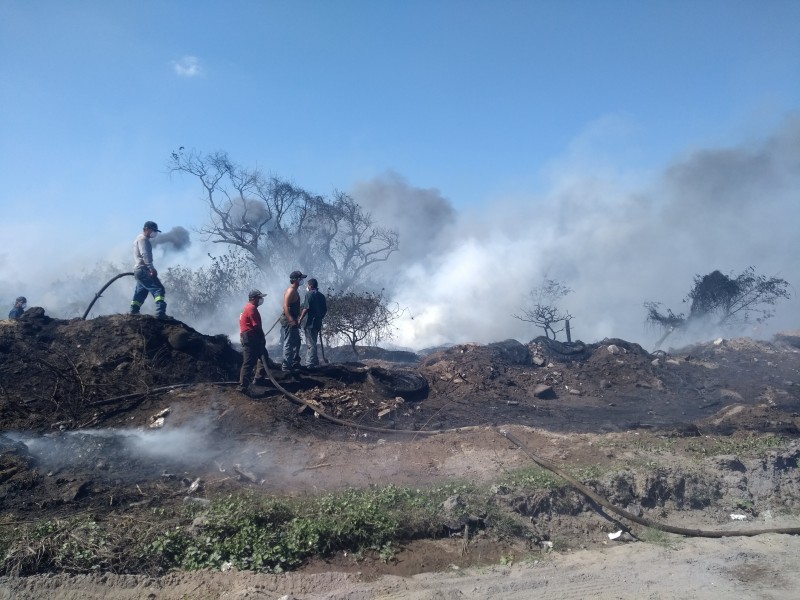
120 416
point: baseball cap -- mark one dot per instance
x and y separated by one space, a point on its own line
296 275
151 225
255 294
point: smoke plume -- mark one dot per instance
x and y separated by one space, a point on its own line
616 245
177 237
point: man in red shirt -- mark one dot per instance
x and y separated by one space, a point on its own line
252 337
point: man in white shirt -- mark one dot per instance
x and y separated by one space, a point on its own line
147 280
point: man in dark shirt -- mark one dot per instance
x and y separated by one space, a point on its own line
313 311
19 308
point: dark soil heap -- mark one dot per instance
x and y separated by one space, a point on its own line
56 372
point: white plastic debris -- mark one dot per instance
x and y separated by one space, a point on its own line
615 535
735 517
718 341
157 420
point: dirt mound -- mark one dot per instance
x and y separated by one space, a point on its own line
57 372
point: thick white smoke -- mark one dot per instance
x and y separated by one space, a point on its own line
615 238
616 244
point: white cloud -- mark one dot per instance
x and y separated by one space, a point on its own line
188 66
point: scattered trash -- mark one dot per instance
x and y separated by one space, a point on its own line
195 485
615 535
718 341
245 474
735 517
198 501
157 420
546 546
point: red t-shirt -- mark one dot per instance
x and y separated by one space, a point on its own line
250 320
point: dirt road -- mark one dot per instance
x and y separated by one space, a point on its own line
763 567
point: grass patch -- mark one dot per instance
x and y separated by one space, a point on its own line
274 535
532 477
749 445
247 530
659 537
644 444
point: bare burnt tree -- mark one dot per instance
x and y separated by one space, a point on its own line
355 317
280 226
351 242
723 300
542 309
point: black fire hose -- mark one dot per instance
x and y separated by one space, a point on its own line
592 495
544 463
586 491
100 293
327 417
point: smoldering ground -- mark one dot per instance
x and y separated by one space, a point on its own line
191 450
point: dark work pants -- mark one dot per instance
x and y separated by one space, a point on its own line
145 284
291 347
312 335
253 348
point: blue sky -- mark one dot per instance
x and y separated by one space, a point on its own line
488 105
